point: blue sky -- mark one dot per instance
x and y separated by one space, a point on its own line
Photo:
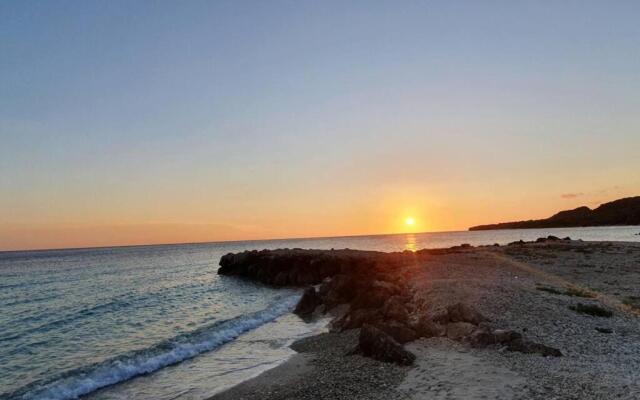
302 118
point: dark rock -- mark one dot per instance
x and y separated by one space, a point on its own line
281 279
356 318
308 302
394 308
338 290
525 346
398 331
321 309
306 276
592 309
460 312
386 286
502 336
604 330
459 330
481 337
441 317
427 328
373 299
302 267
376 344
375 295
549 238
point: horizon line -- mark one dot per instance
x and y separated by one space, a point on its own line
225 241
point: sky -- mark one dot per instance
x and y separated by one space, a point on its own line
184 121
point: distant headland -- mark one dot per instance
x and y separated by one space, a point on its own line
619 212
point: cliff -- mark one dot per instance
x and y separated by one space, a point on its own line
619 212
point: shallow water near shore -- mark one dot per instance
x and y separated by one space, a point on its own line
157 322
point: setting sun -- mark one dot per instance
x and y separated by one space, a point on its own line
410 221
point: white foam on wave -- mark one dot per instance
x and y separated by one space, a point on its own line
180 349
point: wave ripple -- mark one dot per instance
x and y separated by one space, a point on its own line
76 383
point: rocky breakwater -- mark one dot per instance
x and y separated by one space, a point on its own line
298 267
376 288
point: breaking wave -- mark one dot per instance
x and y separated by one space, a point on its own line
82 381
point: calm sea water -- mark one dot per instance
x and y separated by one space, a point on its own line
157 322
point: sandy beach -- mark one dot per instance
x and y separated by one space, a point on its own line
547 291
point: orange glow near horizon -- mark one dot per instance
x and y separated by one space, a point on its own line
390 209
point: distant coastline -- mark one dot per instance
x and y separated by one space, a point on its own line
619 212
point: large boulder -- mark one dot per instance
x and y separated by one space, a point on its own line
398 331
483 337
441 317
375 294
338 290
426 327
460 312
281 278
305 276
459 330
502 336
395 308
308 302
376 344
356 318
386 285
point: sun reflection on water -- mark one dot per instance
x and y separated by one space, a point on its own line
411 243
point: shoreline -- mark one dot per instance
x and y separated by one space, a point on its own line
288 367
525 287
317 371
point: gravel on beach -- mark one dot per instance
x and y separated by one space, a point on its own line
324 372
532 289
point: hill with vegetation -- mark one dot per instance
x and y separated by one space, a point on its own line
619 212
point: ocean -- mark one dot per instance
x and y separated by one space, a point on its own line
157 322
